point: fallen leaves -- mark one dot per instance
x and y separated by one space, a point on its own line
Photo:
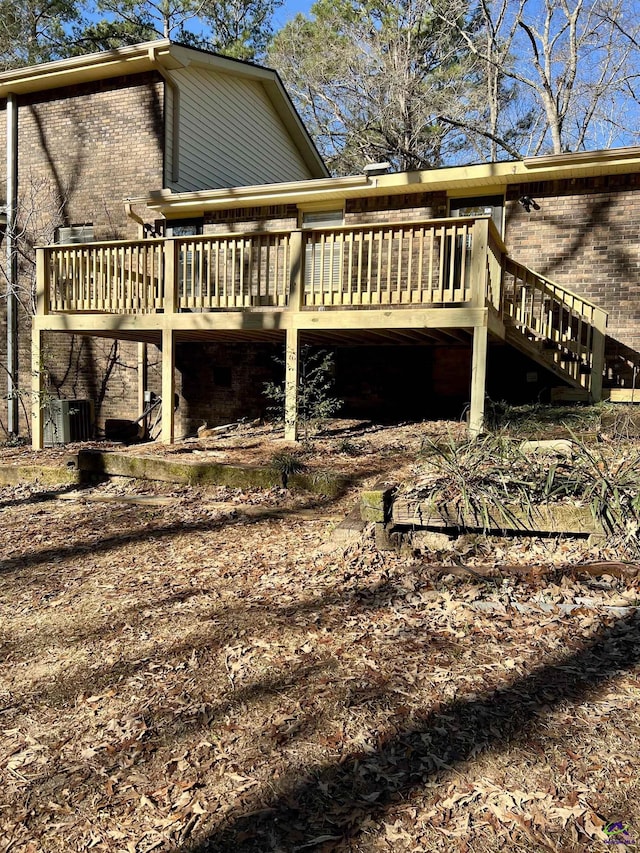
176 672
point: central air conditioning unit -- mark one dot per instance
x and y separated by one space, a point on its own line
66 421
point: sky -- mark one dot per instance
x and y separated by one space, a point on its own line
290 9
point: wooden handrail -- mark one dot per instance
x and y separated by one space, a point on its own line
557 287
569 327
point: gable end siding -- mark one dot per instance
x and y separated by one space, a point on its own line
230 134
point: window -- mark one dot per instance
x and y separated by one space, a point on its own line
481 205
323 252
222 376
75 234
184 227
188 271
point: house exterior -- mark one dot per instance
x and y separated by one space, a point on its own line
435 286
80 135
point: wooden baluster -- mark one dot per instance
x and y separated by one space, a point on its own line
398 295
385 294
410 287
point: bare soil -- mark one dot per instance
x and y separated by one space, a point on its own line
203 670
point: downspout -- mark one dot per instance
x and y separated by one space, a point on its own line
136 218
12 265
175 114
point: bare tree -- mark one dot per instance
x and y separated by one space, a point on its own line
371 79
572 65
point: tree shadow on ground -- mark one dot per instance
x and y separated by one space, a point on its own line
219 627
37 498
335 800
150 532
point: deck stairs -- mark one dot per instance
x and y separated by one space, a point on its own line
556 328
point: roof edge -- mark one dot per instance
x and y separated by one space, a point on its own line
456 179
90 66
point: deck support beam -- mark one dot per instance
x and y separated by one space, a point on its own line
168 384
478 379
292 380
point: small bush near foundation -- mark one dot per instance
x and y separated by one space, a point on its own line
315 401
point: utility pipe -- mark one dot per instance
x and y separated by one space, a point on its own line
12 265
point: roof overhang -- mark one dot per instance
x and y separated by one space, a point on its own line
455 179
162 56
85 69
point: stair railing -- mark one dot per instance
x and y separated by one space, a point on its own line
568 328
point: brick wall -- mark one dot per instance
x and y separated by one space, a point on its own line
82 150
221 383
585 236
246 220
393 208
396 208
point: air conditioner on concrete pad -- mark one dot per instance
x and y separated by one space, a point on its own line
67 420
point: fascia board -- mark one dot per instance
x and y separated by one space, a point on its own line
449 179
82 69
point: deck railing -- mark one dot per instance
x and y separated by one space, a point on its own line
233 271
436 262
116 278
392 264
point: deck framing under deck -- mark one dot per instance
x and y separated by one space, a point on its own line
167 329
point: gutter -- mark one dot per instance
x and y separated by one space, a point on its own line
92 66
134 216
260 194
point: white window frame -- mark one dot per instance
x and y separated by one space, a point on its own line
318 218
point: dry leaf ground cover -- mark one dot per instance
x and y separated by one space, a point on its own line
201 672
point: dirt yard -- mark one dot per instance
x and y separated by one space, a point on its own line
201 669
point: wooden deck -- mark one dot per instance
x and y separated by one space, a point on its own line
405 277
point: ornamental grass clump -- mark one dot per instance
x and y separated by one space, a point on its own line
286 464
491 479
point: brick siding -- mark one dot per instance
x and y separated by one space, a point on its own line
585 237
82 151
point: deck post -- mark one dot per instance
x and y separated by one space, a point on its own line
43 300
479 250
142 376
597 354
292 378
43 282
168 384
171 268
296 271
478 379
37 388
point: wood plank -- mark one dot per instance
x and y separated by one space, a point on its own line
552 518
142 500
621 395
